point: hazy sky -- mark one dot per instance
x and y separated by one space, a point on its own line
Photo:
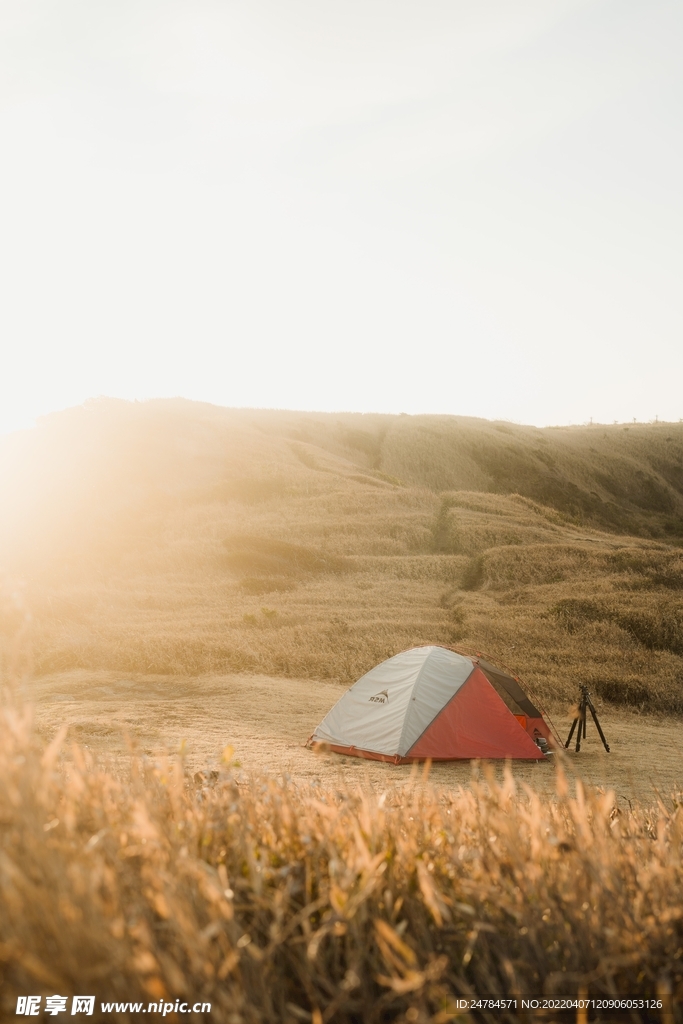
460 206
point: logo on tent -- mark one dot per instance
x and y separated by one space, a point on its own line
380 698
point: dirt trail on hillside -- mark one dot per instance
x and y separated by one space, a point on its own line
268 719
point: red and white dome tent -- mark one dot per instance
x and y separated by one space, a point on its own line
434 702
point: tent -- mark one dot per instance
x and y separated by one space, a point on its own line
433 702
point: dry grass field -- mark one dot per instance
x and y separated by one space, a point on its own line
266 721
176 539
181 577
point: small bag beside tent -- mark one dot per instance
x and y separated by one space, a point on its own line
432 702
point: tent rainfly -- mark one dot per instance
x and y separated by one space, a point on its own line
432 702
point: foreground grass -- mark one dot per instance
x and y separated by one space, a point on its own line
278 903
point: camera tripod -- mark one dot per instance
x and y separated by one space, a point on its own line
585 704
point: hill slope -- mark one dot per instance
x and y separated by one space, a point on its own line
171 536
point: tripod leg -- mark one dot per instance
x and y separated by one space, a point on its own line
582 724
597 724
571 733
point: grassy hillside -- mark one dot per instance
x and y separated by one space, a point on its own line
177 537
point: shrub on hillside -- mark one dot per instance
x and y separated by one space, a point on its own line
659 630
279 558
474 573
445 537
628 692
